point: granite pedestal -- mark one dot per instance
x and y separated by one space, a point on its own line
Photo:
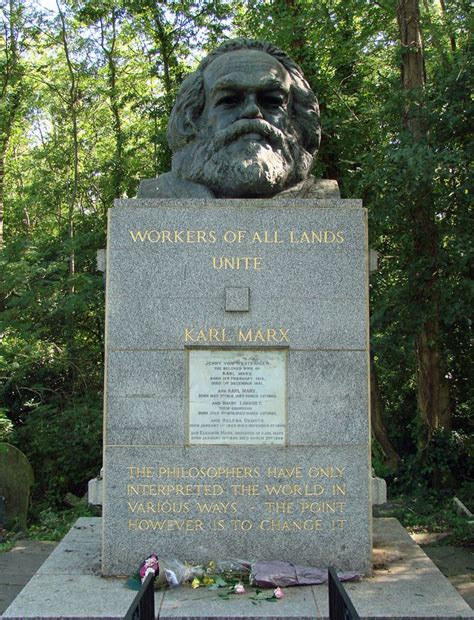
236 411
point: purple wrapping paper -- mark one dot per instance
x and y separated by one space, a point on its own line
284 574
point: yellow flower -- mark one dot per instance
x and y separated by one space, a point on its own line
195 582
207 581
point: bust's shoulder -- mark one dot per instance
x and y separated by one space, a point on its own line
312 188
170 185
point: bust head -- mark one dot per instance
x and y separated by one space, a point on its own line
246 123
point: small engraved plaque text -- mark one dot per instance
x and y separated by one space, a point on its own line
237 397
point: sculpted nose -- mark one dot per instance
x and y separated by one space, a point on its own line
251 108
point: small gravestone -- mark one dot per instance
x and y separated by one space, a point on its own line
16 479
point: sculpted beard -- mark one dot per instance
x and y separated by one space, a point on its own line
261 164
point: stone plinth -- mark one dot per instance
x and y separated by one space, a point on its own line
236 414
405 585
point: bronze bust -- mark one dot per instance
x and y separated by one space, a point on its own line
245 125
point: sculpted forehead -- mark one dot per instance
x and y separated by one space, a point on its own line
246 69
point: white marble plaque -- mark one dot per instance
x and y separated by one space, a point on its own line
237 397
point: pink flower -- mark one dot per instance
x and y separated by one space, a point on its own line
150 565
278 593
239 588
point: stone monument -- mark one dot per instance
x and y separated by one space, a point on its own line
236 390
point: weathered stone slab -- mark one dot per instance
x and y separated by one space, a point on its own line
312 322
193 281
327 397
16 478
305 505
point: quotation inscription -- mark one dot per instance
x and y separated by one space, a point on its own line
237 397
291 499
236 237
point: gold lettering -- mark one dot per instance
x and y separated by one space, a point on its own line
217 524
266 236
279 525
245 337
294 489
245 524
158 507
277 507
338 524
188 336
263 335
201 337
188 525
284 472
212 334
178 236
156 236
271 333
154 490
245 489
138 234
140 472
316 236
328 472
213 507
317 507
237 263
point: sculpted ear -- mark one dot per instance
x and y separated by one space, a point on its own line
182 126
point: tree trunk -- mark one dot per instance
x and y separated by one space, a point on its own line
392 458
109 52
432 385
452 39
72 105
2 176
10 93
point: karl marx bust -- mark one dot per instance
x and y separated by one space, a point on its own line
245 125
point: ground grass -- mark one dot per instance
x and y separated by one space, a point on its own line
427 511
54 524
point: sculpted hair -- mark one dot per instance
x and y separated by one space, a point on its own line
190 100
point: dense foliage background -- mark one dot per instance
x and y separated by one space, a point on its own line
85 92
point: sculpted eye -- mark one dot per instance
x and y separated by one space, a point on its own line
228 101
272 100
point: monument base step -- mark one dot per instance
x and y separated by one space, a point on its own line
405 584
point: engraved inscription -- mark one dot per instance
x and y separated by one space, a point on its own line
237 498
250 239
